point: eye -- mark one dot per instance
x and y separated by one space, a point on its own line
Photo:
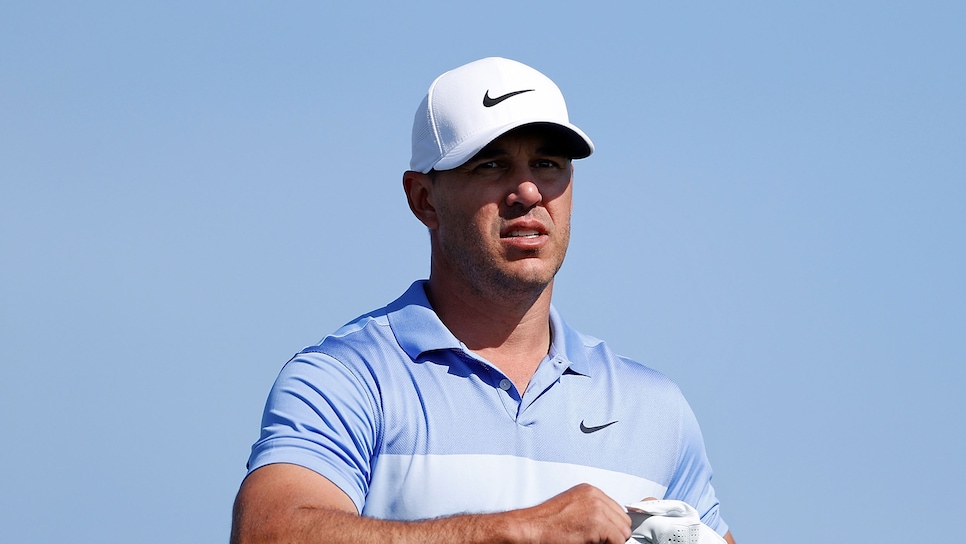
548 163
487 166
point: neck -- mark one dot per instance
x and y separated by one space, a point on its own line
511 332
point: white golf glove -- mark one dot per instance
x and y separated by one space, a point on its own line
668 522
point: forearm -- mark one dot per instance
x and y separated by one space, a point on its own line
314 525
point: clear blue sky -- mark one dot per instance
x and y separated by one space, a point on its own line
190 192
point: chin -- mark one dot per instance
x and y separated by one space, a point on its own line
529 279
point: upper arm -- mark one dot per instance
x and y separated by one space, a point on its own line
271 497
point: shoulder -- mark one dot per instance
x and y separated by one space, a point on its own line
597 357
405 328
367 331
373 345
657 380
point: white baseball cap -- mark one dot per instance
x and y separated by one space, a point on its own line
468 107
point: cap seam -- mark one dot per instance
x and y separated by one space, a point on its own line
431 108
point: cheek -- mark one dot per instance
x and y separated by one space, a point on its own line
558 188
560 208
483 225
463 223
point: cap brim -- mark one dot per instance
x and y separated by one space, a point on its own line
577 143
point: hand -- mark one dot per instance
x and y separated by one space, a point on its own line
581 515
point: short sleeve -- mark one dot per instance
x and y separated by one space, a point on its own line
323 416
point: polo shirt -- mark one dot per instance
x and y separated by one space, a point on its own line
410 424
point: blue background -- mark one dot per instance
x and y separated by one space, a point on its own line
190 192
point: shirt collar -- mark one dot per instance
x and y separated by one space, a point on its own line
415 324
567 344
418 330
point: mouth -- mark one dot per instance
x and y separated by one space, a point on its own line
522 233
524 228
527 236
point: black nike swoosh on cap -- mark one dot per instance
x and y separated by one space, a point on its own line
490 102
587 430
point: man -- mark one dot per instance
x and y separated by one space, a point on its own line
467 410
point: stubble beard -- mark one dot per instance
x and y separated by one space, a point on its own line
490 277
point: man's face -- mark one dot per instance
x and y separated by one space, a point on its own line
504 216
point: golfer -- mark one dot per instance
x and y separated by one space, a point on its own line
467 410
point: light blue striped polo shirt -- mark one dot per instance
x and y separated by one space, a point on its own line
394 410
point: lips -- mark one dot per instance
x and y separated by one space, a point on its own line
529 229
527 236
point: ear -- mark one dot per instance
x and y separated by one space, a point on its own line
419 192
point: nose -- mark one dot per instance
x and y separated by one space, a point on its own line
525 194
